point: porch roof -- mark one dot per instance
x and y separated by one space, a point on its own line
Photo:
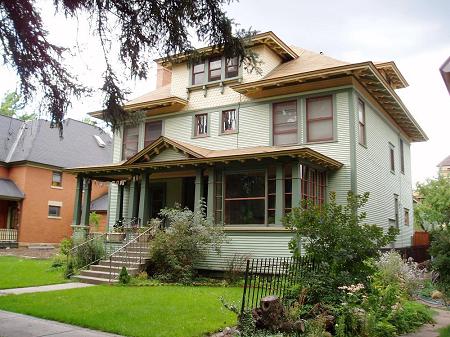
192 156
9 190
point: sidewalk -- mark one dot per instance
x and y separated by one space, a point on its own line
431 330
18 325
39 289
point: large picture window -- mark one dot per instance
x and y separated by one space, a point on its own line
245 198
285 127
319 119
152 132
130 142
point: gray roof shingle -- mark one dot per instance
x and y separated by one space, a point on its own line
100 204
9 190
35 141
445 162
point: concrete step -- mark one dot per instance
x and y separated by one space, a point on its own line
124 258
133 253
106 274
115 269
120 264
94 280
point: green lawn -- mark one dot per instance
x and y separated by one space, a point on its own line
18 272
158 311
444 332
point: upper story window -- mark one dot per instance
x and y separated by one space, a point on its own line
201 125
57 179
285 126
130 141
214 69
406 216
402 157
392 157
229 121
362 122
319 119
152 132
198 73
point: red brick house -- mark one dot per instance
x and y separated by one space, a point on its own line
36 195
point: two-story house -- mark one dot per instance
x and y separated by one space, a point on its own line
36 195
253 145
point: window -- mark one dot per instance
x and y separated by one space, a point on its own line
56 179
198 73
215 69
392 157
229 121
245 198
362 122
130 142
54 211
406 215
397 220
271 193
152 132
319 119
312 185
232 67
201 125
402 157
287 177
285 127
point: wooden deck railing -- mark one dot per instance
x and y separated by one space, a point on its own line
8 235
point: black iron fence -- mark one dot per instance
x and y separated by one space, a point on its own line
272 276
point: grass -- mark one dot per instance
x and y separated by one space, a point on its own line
159 311
20 272
444 332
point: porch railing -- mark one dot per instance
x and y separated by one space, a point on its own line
8 235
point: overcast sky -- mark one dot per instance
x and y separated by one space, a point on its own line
414 34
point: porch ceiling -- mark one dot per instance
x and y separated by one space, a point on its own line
143 160
9 190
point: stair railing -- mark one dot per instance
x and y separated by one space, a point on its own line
140 245
84 245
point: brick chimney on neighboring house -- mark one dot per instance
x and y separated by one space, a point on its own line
163 76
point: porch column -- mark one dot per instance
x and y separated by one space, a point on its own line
211 188
279 197
132 203
120 201
78 198
198 189
295 184
86 202
144 198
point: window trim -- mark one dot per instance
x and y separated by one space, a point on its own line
406 221
392 157
226 67
213 59
297 122
229 132
362 124
145 129
194 125
206 82
193 73
60 186
123 140
402 156
58 204
332 118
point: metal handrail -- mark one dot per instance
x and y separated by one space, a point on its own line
130 244
72 250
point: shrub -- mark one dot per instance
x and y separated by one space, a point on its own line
236 268
94 220
175 251
338 239
124 277
87 253
393 269
409 316
58 261
440 251
65 246
69 271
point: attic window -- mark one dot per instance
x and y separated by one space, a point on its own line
99 141
217 68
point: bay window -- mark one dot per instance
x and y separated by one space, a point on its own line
285 127
319 119
130 141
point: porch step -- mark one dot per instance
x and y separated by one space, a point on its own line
94 280
119 264
114 269
105 274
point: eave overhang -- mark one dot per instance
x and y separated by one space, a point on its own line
151 108
445 72
392 74
366 73
125 169
267 38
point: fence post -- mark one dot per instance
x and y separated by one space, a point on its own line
245 286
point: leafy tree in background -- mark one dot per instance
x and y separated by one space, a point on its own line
136 26
10 106
434 208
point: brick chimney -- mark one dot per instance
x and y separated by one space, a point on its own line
163 76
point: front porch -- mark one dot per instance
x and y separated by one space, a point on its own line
248 189
10 203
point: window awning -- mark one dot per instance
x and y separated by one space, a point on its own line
9 190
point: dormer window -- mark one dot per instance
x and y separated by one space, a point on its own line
214 69
198 73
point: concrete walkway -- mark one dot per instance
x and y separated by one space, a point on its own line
18 325
39 289
442 320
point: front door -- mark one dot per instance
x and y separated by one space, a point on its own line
157 198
